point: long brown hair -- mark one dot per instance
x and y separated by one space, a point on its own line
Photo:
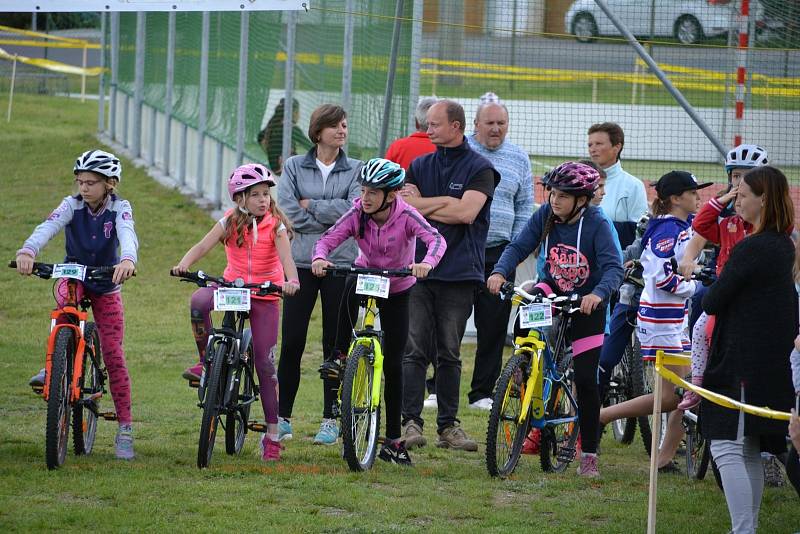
238 222
777 208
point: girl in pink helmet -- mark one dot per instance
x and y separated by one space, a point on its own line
256 236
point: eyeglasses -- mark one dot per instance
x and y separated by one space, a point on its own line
87 183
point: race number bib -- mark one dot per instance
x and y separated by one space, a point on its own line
535 315
232 299
375 286
69 270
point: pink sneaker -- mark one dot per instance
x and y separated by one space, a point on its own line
270 450
588 467
193 372
690 400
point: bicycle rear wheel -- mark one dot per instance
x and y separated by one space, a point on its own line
242 390
360 421
84 413
506 429
649 375
212 405
697 452
57 428
557 447
624 430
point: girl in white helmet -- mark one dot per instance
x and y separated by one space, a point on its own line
717 223
99 231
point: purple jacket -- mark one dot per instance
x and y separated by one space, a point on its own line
390 246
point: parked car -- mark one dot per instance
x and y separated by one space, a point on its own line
689 21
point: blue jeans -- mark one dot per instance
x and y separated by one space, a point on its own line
619 335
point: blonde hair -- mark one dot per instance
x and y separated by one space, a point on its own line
239 221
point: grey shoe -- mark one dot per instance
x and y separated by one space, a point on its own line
454 437
37 380
124 442
412 435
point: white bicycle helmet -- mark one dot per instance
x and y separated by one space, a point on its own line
745 156
100 162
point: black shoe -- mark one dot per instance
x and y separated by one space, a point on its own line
671 467
394 452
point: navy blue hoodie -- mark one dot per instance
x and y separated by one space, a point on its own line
589 266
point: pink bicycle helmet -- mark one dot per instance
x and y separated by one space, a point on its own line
574 178
248 176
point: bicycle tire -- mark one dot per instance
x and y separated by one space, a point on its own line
211 407
624 430
84 419
645 422
505 435
236 420
57 428
697 453
360 423
557 448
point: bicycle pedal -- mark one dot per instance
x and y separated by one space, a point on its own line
39 390
95 396
194 384
566 454
108 416
255 426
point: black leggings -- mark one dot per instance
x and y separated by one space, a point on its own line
294 330
393 314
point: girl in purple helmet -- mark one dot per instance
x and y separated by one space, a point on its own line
256 236
582 259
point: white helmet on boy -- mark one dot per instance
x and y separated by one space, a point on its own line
745 156
100 162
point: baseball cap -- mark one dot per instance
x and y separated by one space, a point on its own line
676 183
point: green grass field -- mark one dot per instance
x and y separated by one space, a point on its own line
311 488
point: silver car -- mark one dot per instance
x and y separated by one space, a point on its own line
689 21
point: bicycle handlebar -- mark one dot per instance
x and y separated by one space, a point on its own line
342 270
704 275
565 304
202 279
45 270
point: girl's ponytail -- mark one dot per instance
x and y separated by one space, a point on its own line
548 225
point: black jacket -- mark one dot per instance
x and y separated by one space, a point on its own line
755 304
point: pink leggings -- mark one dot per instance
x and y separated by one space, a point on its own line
110 320
264 324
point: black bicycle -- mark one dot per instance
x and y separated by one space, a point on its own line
227 387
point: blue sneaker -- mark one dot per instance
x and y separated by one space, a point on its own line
284 429
124 443
328 432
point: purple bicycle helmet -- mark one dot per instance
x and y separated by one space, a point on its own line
248 176
574 178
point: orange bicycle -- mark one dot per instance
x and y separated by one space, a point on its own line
74 373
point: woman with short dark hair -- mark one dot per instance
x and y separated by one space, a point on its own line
315 189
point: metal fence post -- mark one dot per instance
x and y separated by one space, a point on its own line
288 98
182 149
138 91
203 108
244 52
112 108
169 96
101 89
347 56
216 180
416 55
387 102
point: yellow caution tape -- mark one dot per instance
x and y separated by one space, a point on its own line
54 66
45 44
30 33
662 360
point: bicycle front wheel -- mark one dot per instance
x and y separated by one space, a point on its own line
212 406
560 434
507 429
84 413
697 452
242 391
624 430
650 375
57 430
360 420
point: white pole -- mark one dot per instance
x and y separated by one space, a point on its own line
241 108
83 76
101 92
347 57
652 498
11 90
416 55
288 97
203 107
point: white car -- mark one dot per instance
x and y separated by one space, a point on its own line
689 21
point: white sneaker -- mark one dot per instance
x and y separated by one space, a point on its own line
482 404
430 402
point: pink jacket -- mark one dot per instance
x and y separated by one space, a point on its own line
254 262
391 246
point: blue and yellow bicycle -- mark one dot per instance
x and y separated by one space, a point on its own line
535 388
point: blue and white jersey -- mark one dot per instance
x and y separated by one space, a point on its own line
663 306
99 239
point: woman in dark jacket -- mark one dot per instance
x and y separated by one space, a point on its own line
755 303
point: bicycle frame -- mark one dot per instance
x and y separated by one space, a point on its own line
74 315
233 334
367 336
